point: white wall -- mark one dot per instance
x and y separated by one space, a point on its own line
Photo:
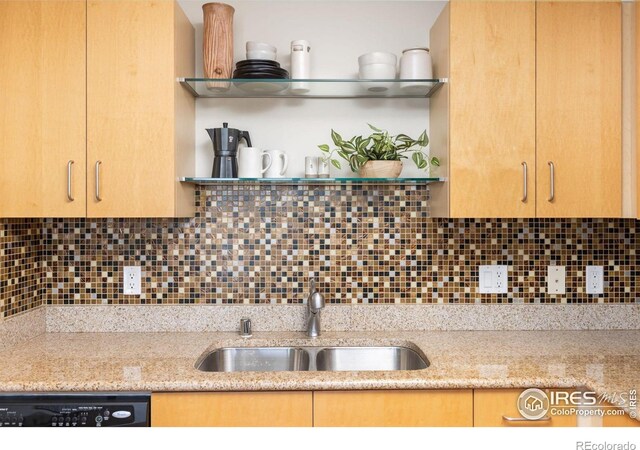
338 33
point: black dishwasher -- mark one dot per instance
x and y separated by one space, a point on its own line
79 410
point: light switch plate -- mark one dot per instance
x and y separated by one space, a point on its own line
595 280
131 280
556 280
493 280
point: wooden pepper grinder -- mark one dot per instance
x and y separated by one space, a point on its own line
217 43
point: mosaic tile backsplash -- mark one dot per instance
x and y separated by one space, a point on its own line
21 261
365 243
257 244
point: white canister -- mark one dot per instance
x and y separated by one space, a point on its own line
300 66
415 64
377 66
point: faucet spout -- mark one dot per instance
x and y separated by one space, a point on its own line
315 304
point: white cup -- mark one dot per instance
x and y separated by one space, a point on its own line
311 167
278 166
251 162
324 167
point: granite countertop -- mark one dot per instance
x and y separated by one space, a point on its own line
604 361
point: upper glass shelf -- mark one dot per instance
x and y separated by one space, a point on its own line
287 88
310 181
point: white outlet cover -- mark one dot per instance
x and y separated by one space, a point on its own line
595 280
493 280
556 280
131 280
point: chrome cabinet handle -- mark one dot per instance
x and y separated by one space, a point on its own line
69 176
552 181
522 419
525 193
98 181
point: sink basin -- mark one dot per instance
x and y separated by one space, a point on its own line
369 358
278 359
255 359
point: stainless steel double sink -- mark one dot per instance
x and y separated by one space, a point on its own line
277 359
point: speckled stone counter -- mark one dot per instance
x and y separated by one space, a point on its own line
605 361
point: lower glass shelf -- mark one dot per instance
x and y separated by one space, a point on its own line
310 181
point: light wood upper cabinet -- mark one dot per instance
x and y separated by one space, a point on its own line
393 408
492 118
579 108
535 83
42 111
139 120
232 409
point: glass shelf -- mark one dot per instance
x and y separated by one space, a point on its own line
286 88
310 181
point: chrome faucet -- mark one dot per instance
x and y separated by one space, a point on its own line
315 303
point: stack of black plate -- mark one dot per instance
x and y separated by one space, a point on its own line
259 68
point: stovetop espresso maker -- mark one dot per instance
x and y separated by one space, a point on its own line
225 150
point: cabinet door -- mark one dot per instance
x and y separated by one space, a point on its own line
490 406
42 112
231 409
579 112
492 109
130 107
393 408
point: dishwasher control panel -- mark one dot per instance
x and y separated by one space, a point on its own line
74 410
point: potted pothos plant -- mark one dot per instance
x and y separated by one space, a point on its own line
380 154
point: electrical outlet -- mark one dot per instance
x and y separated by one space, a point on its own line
493 280
131 280
556 280
595 280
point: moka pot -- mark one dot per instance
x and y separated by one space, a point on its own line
225 150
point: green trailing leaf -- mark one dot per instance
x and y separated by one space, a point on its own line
336 163
435 162
374 128
336 138
324 148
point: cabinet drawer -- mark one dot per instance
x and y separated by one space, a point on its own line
490 405
231 409
395 408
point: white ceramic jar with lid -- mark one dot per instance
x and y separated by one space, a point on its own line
415 64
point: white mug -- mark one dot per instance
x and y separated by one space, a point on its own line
251 162
278 166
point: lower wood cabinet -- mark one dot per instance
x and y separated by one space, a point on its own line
393 408
232 409
376 408
490 406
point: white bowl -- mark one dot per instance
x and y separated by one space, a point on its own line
378 72
253 45
261 54
378 58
